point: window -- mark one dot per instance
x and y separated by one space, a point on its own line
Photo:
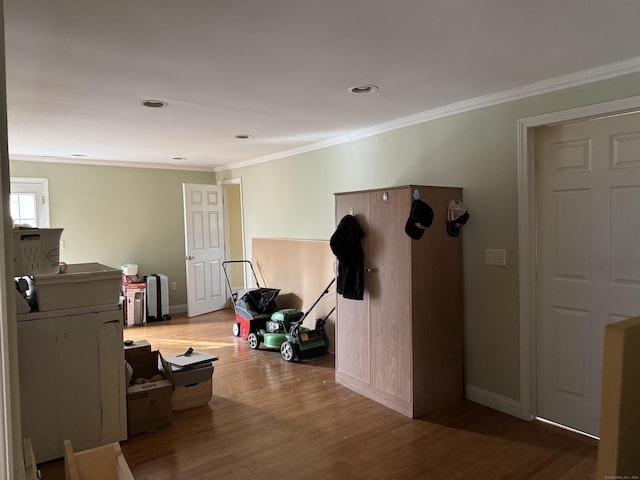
30 201
23 209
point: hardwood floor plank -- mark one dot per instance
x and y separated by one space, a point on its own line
584 469
270 419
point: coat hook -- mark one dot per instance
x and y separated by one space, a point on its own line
351 211
416 194
385 197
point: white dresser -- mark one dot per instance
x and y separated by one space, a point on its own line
72 379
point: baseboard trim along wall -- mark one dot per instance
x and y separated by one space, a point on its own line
173 309
492 400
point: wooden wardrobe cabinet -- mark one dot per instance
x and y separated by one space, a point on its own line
402 345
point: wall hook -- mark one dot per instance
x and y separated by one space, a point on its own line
416 194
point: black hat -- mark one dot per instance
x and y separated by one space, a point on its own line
457 216
420 219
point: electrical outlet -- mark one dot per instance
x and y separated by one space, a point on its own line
174 285
495 256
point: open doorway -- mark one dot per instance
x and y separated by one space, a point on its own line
234 219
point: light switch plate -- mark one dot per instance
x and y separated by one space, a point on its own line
495 256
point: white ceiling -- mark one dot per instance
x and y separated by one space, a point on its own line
278 70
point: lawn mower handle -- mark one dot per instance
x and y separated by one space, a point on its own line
226 275
306 314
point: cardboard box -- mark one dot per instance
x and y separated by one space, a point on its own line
193 395
195 357
135 310
619 416
148 404
193 385
131 350
105 462
183 376
191 377
146 363
136 346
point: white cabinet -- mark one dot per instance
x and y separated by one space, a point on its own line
72 381
402 344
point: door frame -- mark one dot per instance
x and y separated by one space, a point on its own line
223 184
527 233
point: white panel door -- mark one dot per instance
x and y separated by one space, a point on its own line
204 245
588 261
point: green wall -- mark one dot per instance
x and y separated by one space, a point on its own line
117 215
234 221
293 198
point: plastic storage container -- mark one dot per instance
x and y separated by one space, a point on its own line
36 251
129 269
83 285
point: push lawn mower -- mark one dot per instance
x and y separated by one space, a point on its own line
285 332
254 306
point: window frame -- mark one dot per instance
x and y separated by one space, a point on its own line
39 186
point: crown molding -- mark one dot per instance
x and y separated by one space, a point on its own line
537 88
286 153
106 163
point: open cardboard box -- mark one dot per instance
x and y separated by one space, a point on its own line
101 463
148 404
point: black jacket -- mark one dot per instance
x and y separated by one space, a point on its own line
346 246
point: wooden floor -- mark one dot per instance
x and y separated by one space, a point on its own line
269 419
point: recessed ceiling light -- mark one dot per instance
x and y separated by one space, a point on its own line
179 159
244 136
153 103
363 89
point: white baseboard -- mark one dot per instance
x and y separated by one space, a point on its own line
492 400
173 309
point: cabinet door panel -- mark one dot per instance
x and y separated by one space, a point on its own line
112 380
389 283
39 365
352 316
79 381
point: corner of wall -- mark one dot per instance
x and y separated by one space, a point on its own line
492 400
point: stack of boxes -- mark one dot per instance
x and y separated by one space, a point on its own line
158 386
134 293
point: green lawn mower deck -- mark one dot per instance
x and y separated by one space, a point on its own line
284 331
